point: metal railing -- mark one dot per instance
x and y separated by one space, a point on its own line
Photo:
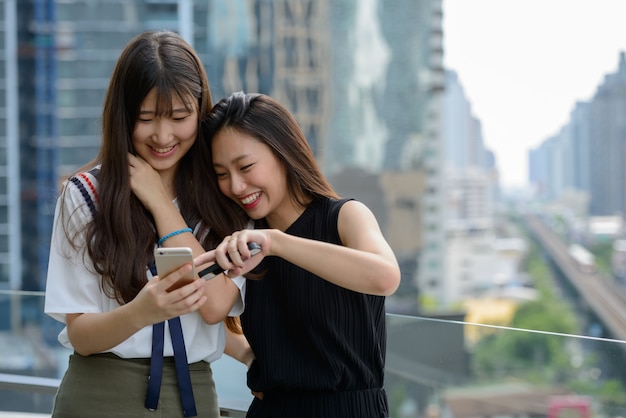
49 386
433 365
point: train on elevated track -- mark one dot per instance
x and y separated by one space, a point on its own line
584 259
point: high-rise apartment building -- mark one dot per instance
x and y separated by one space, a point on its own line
432 267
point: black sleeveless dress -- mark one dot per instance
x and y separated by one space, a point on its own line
320 348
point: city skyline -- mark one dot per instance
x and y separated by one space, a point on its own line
525 64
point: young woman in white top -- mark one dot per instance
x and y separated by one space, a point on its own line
137 346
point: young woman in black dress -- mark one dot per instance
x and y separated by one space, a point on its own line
314 314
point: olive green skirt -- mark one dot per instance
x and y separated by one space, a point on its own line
105 385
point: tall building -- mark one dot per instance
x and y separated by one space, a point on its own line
57 58
383 68
10 206
607 130
360 59
67 52
470 200
462 131
278 47
388 79
363 79
470 185
538 167
579 131
431 266
588 155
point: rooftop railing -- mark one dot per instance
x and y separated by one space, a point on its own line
435 367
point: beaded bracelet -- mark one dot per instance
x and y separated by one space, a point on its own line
171 234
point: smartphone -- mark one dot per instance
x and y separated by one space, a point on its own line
215 269
172 258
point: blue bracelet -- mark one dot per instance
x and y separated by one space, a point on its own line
171 234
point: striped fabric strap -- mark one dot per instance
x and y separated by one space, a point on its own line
85 193
180 361
85 186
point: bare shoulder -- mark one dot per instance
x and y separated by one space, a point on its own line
356 219
355 209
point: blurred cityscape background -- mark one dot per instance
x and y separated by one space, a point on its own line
390 126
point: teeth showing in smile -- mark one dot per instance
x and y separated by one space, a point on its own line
163 150
249 199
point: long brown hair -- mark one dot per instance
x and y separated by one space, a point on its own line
121 237
267 120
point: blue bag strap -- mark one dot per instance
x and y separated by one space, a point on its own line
156 366
182 368
180 361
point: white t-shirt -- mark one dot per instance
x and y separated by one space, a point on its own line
73 287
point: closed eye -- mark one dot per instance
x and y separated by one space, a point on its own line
180 118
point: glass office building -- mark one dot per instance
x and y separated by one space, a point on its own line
57 57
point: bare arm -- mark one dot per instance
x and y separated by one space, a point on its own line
237 347
220 291
364 263
92 333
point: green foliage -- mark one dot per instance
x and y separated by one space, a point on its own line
535 354
545 315
524 355
534 351
609 394
603 251
541 277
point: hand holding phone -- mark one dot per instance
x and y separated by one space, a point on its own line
215 269
172 258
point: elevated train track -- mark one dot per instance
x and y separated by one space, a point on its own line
603 296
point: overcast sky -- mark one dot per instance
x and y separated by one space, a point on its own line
524 63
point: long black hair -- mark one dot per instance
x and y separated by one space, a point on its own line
268 121
121 237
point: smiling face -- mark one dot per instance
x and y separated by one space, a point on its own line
251 175
163 140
